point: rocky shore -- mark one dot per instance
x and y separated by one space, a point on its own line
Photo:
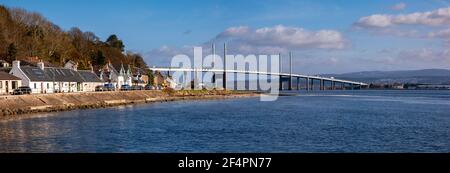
22 106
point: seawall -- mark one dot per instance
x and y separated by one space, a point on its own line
13 107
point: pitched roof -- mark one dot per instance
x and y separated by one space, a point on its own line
7 76
36 74
28 62
63 75
89 76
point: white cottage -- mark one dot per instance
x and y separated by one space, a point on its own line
90 80
34 77
8 83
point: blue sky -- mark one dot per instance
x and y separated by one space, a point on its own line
159 29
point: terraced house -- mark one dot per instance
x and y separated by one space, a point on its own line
43 79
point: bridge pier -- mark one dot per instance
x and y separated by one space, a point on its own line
224 77
307 84
290 83
322 85
333 83
290 71
281 83
298 83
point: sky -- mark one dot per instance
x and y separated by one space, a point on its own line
327 36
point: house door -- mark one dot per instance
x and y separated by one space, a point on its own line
7 86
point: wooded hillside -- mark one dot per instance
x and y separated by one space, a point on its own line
29 34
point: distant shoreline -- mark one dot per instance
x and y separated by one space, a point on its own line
29 106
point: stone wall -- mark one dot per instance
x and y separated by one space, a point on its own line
12 106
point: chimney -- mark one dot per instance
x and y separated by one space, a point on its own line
40 65
16 64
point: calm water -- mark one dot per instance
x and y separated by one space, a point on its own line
334 121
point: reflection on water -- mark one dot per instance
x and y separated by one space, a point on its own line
327 121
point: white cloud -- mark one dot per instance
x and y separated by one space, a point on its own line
234 32
439 17
426 56
445 34
162 56
281 38
399 6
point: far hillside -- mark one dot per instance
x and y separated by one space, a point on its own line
425 76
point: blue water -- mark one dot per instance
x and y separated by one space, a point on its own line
328 121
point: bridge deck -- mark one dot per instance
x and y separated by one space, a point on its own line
255 72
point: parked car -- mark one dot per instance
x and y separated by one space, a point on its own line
125 88
100 88
109 87
22 90
149 87
137 87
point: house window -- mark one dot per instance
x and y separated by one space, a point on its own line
48 85
1 84
14 84
35 86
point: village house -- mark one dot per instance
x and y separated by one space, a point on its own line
139 77
89 79
160 81
64 79
34 77
4 64
126 74
109 74
8 83
43 79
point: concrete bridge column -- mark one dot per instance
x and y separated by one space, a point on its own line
298 83
322 84
224 77
307 84
235 81
290 83
333 83
281 83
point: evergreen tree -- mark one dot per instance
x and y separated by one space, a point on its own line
113 41
11 52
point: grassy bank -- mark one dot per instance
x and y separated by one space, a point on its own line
18 106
